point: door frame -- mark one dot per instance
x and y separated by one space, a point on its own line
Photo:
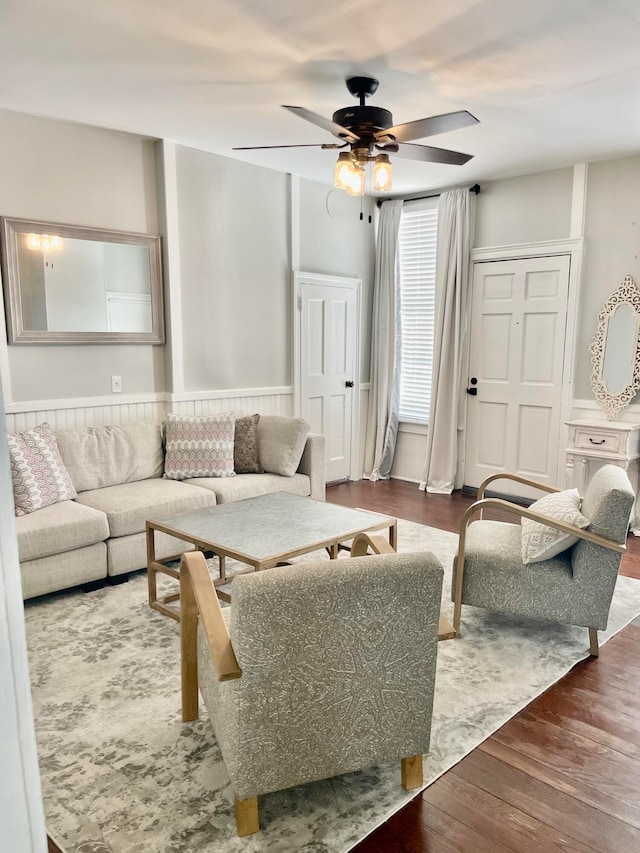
574 248
354 284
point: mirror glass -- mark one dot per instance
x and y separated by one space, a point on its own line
620 348
615 353
67 284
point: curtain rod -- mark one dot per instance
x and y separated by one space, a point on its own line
474 189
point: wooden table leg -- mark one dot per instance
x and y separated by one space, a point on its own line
393 536
151 572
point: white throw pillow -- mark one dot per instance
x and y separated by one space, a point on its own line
38 473
540 542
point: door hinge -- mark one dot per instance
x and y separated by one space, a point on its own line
299 302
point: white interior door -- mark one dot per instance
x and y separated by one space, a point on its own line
327 353
517 346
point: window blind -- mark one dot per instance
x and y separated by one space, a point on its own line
417 263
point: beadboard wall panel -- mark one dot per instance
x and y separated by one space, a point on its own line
100 411
279 403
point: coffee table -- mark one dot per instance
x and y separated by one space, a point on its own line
260 532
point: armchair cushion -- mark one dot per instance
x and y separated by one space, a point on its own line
496 578
540 542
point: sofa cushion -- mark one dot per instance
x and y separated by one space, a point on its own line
281 443
199 447
129 505
129 553
243 486
38 473
107 456
245 447
62 571
59 528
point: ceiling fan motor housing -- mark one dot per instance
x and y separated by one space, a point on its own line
365 122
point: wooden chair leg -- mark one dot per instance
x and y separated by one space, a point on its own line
411 771
593 642
247 821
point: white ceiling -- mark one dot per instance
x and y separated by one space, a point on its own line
553 82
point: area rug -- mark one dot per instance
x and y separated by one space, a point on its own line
122 774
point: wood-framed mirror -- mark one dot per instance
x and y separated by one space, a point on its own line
615 350
67 284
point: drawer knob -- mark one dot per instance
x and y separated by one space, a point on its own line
601 441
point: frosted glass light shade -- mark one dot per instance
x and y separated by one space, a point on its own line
345 168
356 187
382 173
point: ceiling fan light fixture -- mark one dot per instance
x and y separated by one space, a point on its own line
382 173
345 171
356 187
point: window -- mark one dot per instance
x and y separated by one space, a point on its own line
417 261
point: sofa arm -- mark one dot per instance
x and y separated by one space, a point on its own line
312 464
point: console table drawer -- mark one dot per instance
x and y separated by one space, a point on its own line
593 439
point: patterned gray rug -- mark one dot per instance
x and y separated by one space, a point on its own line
122 774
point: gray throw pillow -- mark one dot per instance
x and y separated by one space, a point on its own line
245 448
281 443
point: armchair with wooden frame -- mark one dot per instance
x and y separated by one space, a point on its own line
316 669
575 587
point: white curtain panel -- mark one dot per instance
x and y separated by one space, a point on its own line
382 418
456 211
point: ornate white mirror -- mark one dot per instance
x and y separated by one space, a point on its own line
615 354
69 284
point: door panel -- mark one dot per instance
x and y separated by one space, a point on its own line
328 333
517 338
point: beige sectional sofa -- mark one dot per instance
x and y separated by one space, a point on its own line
117 472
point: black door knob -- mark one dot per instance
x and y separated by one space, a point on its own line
472 391
349 383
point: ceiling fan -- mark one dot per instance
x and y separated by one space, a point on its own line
371 136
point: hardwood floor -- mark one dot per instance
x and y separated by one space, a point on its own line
564 774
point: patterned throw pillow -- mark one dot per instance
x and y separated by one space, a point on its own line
199 447
540 542
37 470
245 450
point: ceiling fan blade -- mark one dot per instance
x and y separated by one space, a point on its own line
430 155
325 123
259 147
428 126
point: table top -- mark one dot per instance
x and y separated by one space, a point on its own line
268 526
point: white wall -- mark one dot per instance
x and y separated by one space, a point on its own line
234 271
73 174
527 209
612 250
333 240
21 814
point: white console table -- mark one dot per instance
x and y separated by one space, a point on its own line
598 442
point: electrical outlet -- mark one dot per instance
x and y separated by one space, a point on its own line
116 384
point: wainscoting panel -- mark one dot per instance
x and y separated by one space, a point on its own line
83 416
102 411
264 404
